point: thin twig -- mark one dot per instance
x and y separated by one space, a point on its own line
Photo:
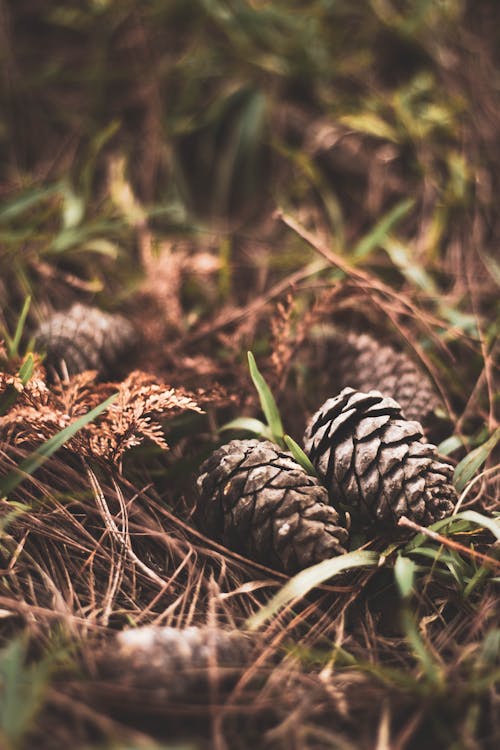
227 317
489 562
377 291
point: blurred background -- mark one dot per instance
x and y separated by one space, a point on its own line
216 112
145 148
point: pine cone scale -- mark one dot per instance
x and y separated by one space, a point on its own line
376 461
366 364
265 506
84 338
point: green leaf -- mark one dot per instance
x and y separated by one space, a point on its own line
11 394
22 689
248 424
370 123
14 342
8 399
77 237
30 198
490 649
267 401
73 209
473 461
404 573
17 510
381 229
462 522
302 583
403 257
27 368
299 455
449 445
481 574
492 524
30 464
420 649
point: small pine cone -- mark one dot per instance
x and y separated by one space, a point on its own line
84 338
174 663
364 363
374 460
257 500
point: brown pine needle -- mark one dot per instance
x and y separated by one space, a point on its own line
489 562
379 294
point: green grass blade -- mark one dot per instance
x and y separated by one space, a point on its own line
14 343
404 573
8 399
473 461
23 687
27 368
299 455
492 524
11 394
248 424
449 445
381 229
465 521
30 464
302 583
423 655
17 510
267 402
26 200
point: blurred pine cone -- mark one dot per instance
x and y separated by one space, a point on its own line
175 663
257 500
374 460
366 364
84 338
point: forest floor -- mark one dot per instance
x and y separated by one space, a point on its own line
228 177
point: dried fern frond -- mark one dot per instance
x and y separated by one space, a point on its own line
40 412
134 416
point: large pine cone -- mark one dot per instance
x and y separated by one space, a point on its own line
84 338
257 500
174 663
366 364
374 460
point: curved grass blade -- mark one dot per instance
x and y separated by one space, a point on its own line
267 402
473 461
404 573
299 455
492 524
248 424
13 343
32 462
25 201
381 229
11 394
302 583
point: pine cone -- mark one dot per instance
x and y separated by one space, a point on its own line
374 460
84 338
256 499
364 363
175 663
